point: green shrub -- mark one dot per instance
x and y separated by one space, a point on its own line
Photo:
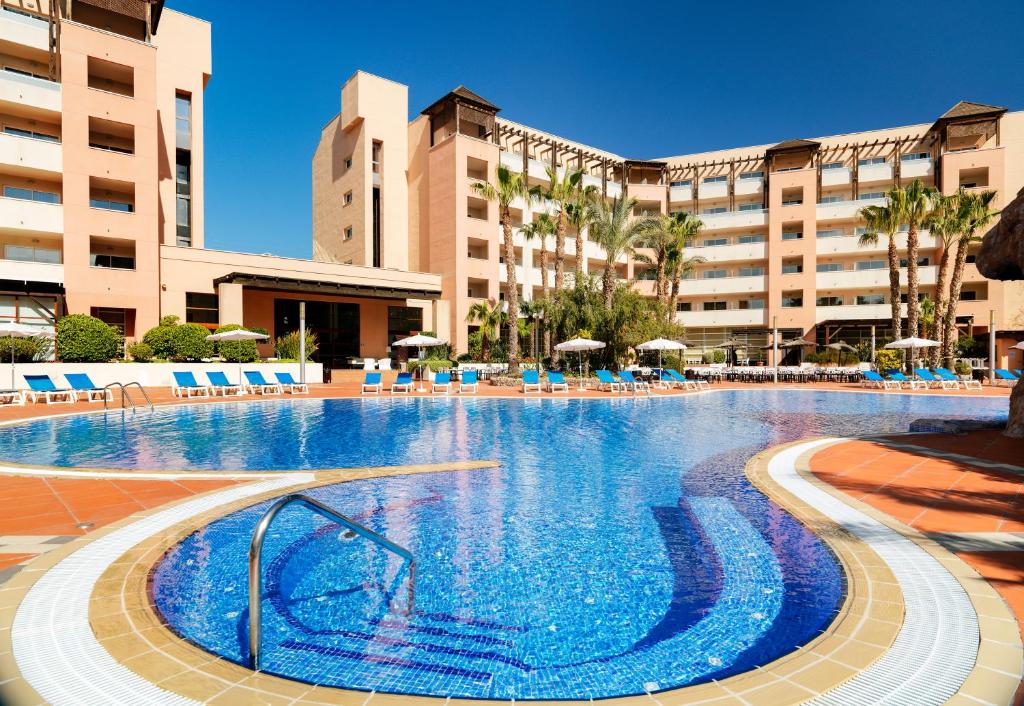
434 364
25 349
161 338
287 346
86 339
464 358
140 352
887 359
188 342
962 367
715 356
237 351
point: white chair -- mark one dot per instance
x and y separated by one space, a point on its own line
369 363
384 364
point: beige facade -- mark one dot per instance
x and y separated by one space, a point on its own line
781 224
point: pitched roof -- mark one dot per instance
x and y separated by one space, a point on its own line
464 94
967 109
791 145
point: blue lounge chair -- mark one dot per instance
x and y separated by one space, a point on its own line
605 380
1005 377
256 383
83 385
43 385
12 397
186 385
904 381
220 385
531 381
290 384
556 382
442 383
673 377
967 384
873 379
371 384
632 383
468 382
402 384
936 380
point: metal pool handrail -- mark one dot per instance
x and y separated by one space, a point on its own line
256 549
124 394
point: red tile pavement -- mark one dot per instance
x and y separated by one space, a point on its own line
9 560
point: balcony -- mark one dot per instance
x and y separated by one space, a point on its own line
726 253
714 190
680 193
845 209
17 28
31 216
723 285
746 187
19 271
734 219
30 91
729 317
854 312
861 279
874 172
29 155
835 177
917 168
850 244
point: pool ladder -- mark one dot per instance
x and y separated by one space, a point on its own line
125 397
256 549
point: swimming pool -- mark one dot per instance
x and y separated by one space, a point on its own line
618 549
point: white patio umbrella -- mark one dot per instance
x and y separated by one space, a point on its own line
419 341
10 329
912 344
661 344
1019 346
238 334
579 345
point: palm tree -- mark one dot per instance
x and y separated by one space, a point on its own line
945 227
490 316
975 213
564 191
541 229
533 310
915 205
679 266
613 228
511 186
576 216
668 236
887 220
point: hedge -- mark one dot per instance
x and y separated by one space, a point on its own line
188 342
86 339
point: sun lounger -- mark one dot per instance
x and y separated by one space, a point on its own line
936 381
186 385
873 379
531 381
907 382
556 382
256 383
442 384
678 380
402 384
371 384
607 381
220 385
42 385
290 384
1005 377
966 383
468 382
83 385
12 397
632 383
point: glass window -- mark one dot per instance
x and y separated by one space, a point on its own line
684 306
348 233
683 182
828 301
717 209
793 236
715 242
376 151
715 179
871 195
832 165
914 156
831 199
750 206
870 160
829 267
348 163
715 274
15 192
750 239
792 268
921 262
118 262
714 306
793 202
752 304
28 253
967 295
833 233
18 132
792 300
870 299
183 186
183 121
348 198
112 205
751 271
201 308
752 175
871 265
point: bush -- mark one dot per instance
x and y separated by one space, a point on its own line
86 339
237 351
188 342
287 346
25 349
888 359
140 352
434 364
464 358
160 338
715 356
962 367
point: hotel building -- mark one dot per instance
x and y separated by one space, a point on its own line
101 191
781 225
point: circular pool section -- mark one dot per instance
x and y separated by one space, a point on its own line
617 550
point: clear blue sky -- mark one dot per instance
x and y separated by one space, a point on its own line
684 76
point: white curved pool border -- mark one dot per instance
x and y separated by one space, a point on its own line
934 652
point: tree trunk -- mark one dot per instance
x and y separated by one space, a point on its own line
559 263
544 290
661 281
579 253
511 293
957 280
894 289
608 283
1015 423
913 305
941 302
673 297
485 346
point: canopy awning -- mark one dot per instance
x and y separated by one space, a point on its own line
312 286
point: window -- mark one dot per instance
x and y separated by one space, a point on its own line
684 182
789 169
116 262
403 321
714 274
115 253
202 308
870 265
14 192
792 267
829 267
376 152
752 175
870 161
870 299
831 199
121 319
871 195
828 301
108 76
30 253
751 271
750 239
111 205
793 236
969 185
183 196
18 132
792 202
832 165
970 259
920 297
348 198
715 179
348 233
716 209
348 163
183 121
714 306
792 300
754 206
684 306
751 304
914 156
833 233
22 72
715 242
967 295
111 136
921 262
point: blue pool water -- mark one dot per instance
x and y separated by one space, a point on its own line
618 548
